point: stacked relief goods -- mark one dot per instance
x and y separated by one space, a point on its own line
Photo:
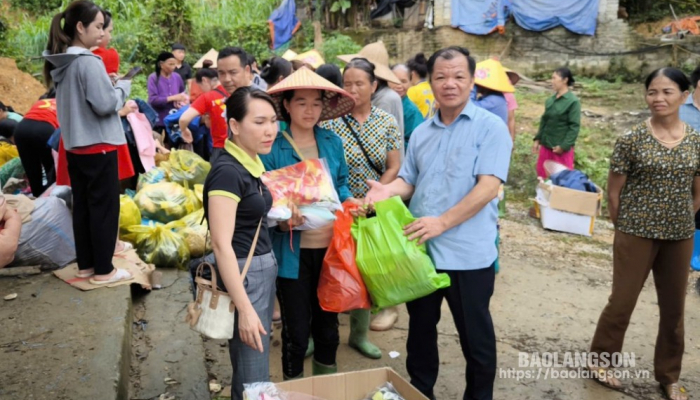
164 219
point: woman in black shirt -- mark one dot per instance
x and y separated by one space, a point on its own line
236 205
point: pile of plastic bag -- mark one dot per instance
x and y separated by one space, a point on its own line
164 218
307 185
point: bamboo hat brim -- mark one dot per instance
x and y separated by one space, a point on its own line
336 101
377 54
491 75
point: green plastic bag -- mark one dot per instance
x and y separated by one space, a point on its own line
394 269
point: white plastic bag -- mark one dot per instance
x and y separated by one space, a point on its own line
48 238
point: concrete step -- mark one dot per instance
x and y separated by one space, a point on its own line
57 342
164 347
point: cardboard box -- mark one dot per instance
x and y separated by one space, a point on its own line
567 210
352 385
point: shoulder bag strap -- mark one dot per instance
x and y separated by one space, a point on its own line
362 147
294 145
221 93
254 244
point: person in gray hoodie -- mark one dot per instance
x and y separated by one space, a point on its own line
87 107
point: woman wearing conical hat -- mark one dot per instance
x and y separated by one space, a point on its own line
302 100
491 81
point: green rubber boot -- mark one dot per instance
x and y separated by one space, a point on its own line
321 369
359 326
310 348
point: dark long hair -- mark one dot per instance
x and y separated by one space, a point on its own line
164 56
237 103
565 73
275 68
676 75
62 37
362 64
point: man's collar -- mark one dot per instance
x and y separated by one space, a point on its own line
468 111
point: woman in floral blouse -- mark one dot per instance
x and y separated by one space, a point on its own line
653 194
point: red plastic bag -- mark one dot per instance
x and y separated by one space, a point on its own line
340 286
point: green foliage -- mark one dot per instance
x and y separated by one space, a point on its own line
36 7
174 18
340 5
654 10
337 44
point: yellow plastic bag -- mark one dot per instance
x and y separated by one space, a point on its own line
197 240
129 214
195 219
160 245
193 230
188 168
166 202
155 175
7 152
199 192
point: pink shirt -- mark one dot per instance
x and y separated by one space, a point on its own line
510 99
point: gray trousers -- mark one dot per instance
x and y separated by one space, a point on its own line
249 365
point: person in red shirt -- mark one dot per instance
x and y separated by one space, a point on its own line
234 72
31 136
110 57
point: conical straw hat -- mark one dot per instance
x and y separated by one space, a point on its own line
211 55
311 57
513 76
491 75
377 54
289 55
336 101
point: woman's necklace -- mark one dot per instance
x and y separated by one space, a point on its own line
651 128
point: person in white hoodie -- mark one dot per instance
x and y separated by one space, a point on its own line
87 106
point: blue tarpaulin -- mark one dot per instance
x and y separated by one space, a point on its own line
480 17
578 16
283 23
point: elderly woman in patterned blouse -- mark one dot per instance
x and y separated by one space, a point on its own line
372 142
653 194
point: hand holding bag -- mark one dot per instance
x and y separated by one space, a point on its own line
213 313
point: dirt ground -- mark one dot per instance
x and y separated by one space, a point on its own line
549 294
18 88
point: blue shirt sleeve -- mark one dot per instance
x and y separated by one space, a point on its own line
495 151
409 170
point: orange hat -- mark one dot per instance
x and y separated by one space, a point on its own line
336 101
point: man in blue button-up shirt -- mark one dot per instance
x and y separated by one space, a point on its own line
690 114
690 111
454 165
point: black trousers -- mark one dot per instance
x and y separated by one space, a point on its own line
468 298
95 182
302 316
31 138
